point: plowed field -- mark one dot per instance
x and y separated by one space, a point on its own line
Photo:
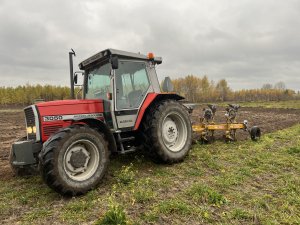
269 120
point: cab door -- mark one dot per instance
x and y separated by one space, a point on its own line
132 86
98 85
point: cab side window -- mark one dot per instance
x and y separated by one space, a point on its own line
132 84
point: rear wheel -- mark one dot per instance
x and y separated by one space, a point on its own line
168 131
74 160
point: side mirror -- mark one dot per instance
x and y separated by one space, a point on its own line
75 78
114 62
167 85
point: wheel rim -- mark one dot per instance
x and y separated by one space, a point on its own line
81 160
174 132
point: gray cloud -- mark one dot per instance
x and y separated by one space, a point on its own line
247 42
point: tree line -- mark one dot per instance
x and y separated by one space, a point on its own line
194 88
28 94
200 89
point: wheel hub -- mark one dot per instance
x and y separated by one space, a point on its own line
174 132
170 131
77 159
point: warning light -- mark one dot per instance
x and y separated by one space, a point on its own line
150 55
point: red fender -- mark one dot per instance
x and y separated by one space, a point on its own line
151 97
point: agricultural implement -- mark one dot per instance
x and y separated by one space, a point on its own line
207 126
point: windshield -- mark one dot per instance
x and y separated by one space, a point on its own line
98 83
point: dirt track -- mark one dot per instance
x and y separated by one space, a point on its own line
269 120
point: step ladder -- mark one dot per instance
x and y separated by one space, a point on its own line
125 149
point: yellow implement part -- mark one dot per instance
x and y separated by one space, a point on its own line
224 126
198 128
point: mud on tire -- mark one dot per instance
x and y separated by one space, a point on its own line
74 160
167 131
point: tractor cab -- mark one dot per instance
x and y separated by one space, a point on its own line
122 80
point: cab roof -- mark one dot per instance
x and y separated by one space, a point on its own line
106 54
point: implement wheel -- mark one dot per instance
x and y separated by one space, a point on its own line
255 133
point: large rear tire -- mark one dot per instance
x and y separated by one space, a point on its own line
27 170
167 131
74 160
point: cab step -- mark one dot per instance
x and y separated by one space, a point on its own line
125 149
127 139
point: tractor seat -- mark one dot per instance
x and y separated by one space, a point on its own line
133 97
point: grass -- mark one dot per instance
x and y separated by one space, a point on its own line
125 175
239 183
205 194
294 150
115 213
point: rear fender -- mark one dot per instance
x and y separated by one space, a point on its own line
151 99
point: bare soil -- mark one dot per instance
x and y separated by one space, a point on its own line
12 127
269 120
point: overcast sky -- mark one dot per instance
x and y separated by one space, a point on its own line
248 42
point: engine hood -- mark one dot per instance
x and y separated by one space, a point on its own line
70 107
69 102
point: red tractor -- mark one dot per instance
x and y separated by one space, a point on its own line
70 141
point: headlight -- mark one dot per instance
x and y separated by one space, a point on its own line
31 130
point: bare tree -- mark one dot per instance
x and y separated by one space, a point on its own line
223 89
280 85
267 86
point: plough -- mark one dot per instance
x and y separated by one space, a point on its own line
208 126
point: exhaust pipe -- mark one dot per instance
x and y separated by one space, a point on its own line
71 72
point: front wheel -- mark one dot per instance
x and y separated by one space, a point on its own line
74 160
168 131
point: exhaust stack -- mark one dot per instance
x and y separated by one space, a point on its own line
71 53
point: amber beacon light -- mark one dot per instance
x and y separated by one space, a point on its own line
150 55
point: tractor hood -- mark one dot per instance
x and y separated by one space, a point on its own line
67 108
69 102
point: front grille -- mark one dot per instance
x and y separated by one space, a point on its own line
49 130
29 115
30 121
